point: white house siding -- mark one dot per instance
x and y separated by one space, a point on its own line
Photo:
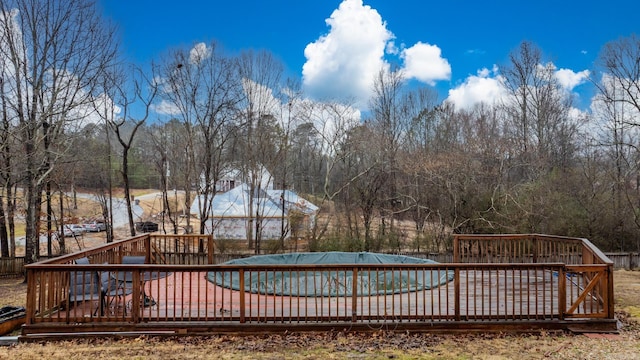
236 228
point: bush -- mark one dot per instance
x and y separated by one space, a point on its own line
336 243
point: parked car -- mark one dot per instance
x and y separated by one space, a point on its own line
95 226
146 226
73 230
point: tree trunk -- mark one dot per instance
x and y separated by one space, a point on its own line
4 239
49 212
127 190
11 209
32 220
61 239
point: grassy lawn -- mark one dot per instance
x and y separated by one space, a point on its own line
347 345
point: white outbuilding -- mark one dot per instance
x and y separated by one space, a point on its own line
274 213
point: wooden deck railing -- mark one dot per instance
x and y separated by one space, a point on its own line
14 267
588 273
157 249
512 283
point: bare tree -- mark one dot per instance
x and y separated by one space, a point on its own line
618 106
537 110
160 137
202 86
131 92
53 53
306 161
619 66
319 151
391 121
537 122
92 162
419 108
281 162
372 167
260 74
7 174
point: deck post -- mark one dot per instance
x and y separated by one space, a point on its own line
456 292
609 297
354 295
562 292
587 256
136 304
456 249
31 296
210 248
147 248
242 296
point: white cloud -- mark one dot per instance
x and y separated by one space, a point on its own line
9 22
199 52
569 79
392 48
478 89
330 120
484 72
622 110
424 63
105 108
262 98
577 114
83 115
165 107
486 86
342 63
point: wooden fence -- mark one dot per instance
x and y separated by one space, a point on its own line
495 283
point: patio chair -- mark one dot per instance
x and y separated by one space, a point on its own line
85 286
146 300
112 290
82 261
133 259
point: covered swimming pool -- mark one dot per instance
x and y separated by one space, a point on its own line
332 281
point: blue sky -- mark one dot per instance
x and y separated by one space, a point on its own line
449 45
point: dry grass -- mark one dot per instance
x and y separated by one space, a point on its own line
627 292
346 345
13 292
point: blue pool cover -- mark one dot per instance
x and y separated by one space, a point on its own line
332 282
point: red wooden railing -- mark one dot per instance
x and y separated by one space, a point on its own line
497 282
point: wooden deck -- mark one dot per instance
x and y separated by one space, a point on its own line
481 295
190 296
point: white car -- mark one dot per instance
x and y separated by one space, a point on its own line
95 226
73 230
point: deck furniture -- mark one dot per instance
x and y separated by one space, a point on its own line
127 280
85 286
114 292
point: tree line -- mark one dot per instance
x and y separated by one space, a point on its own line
406 173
